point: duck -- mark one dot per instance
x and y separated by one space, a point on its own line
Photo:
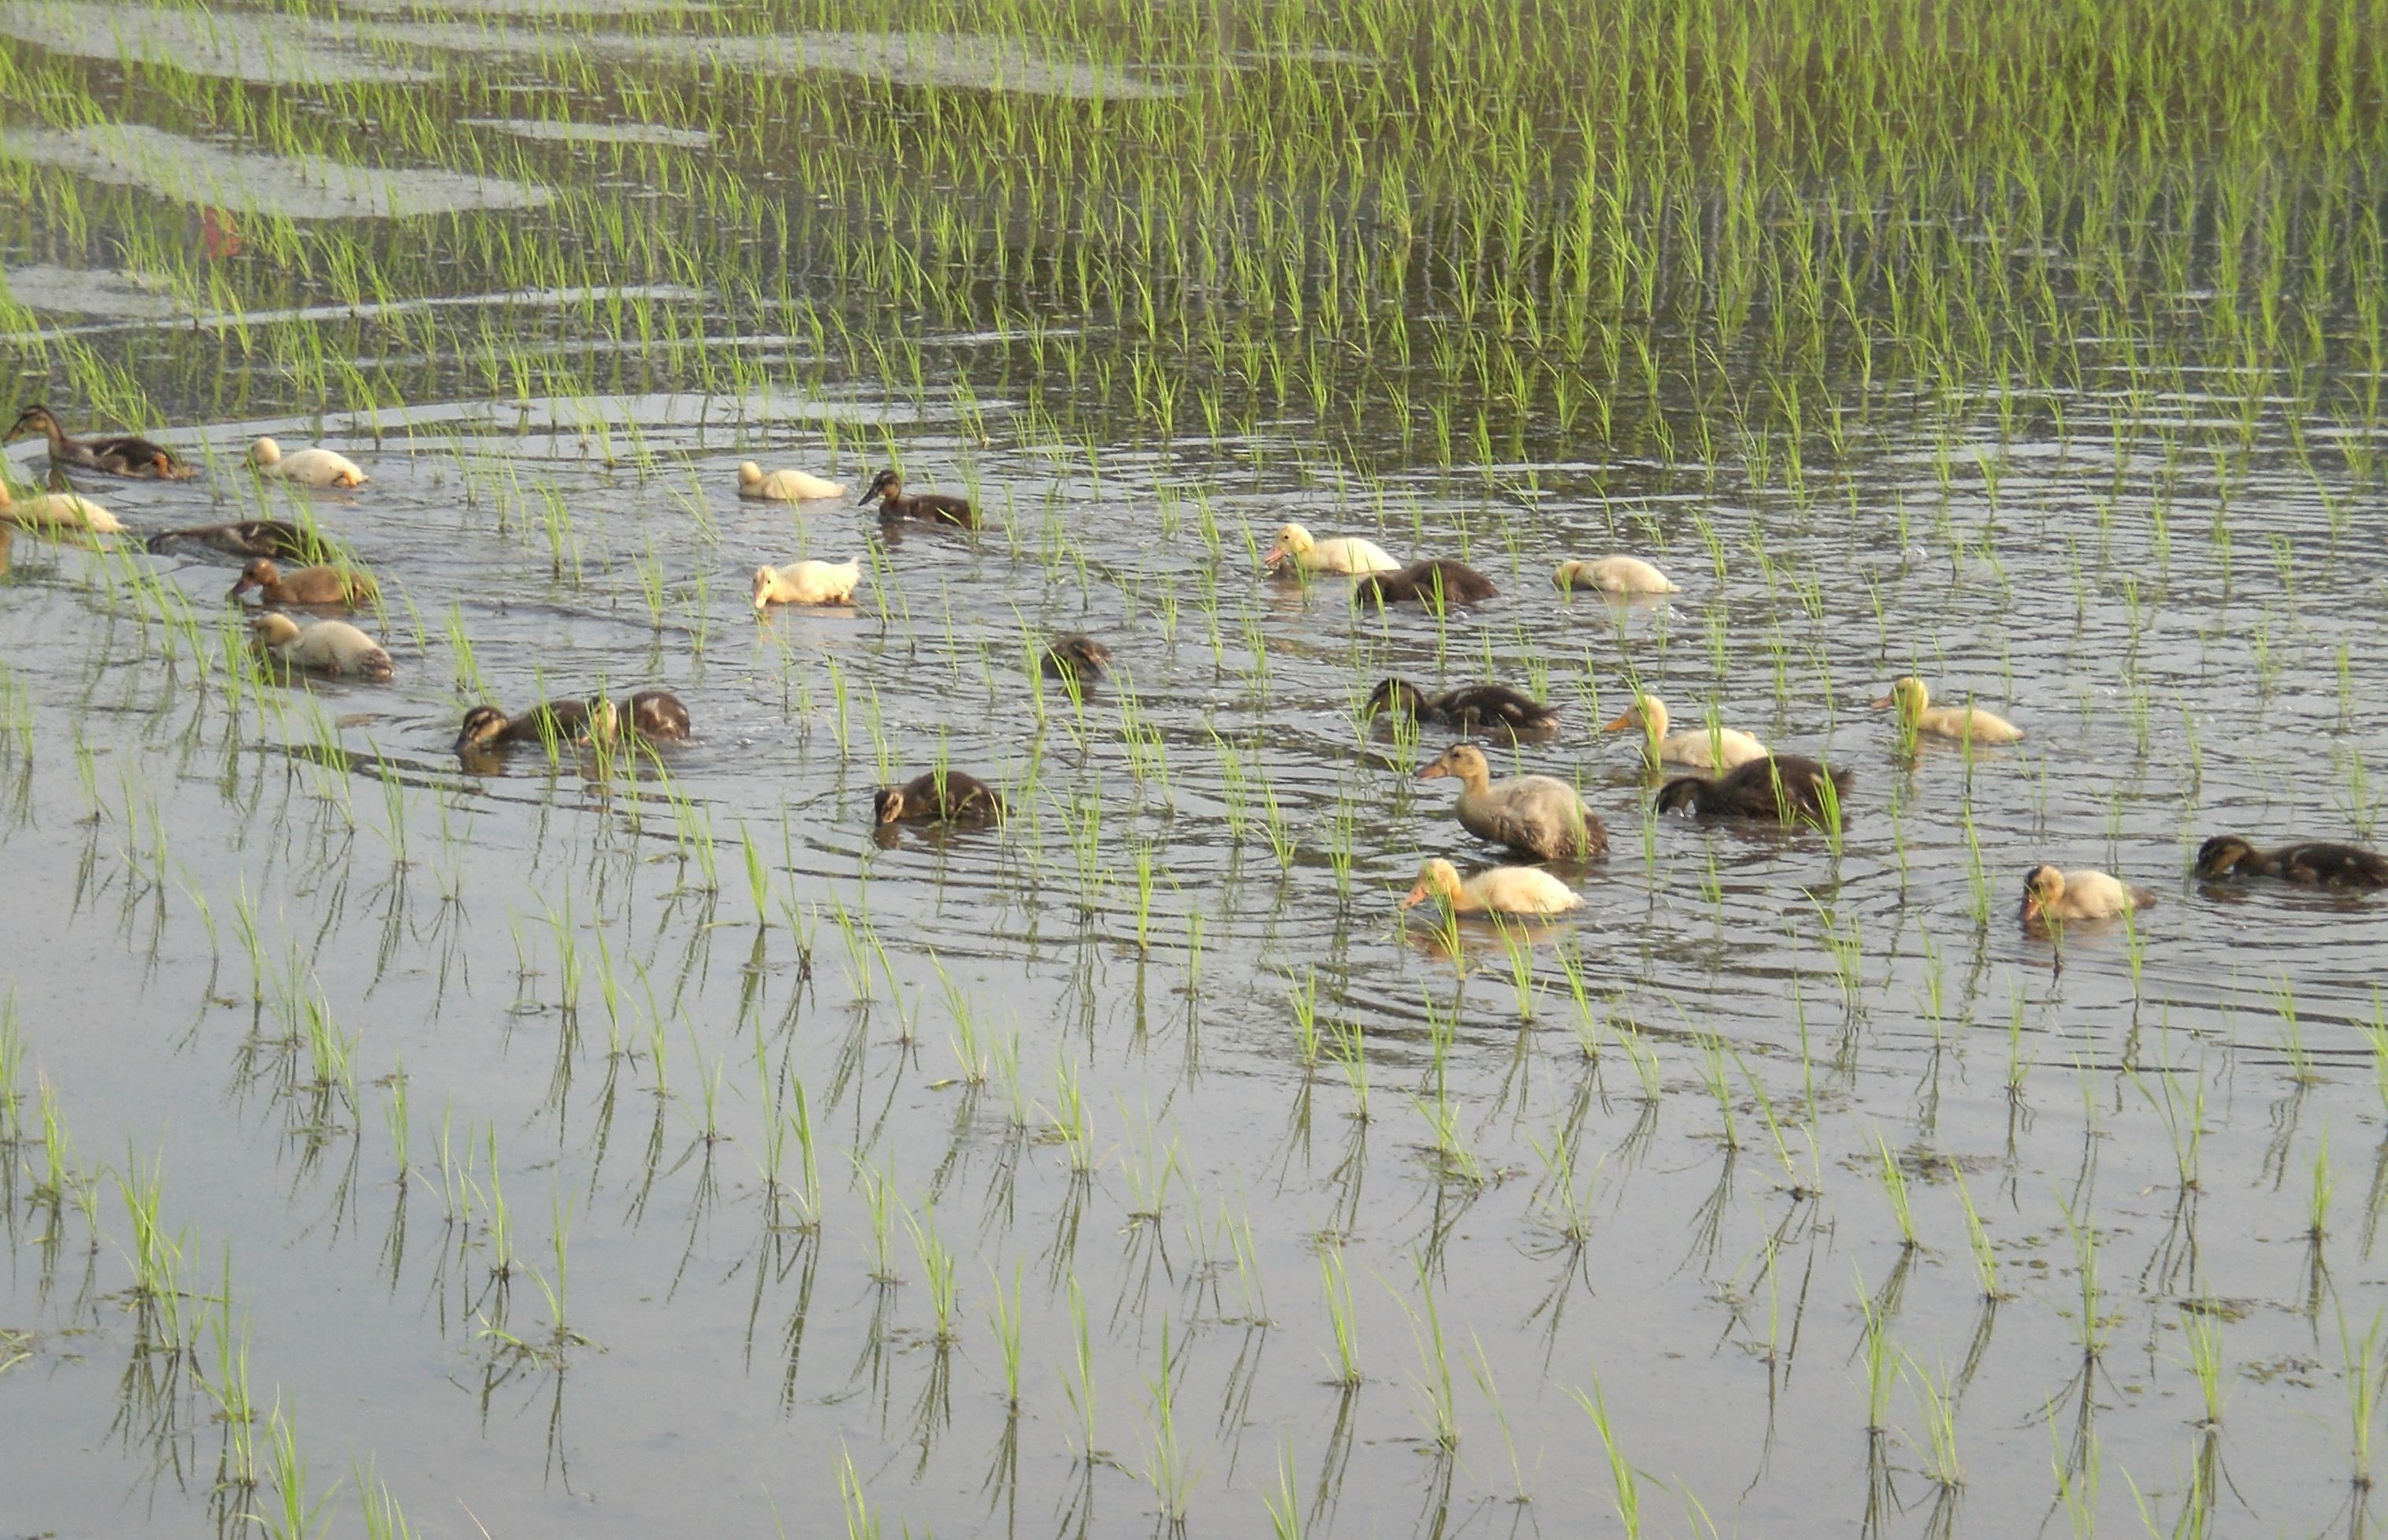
1438 581
488 728
653 715
122 456
941 796
1493 709
1783 786
887 487
307 467
806 583
1615 574
1726 749
1497 889
1078 660
306 585
1538 815
1347 554
326 646
784 485
268 537
2316 862
1915 708
57 511
2050 894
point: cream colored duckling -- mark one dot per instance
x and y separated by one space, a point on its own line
784 485
1915 708
307 467
806 583
1349 554
1615 574
1499 890
2050 894
1536 815
326 646
1727 749
57 511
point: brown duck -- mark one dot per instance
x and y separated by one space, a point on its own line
1440 582
306 586
121 456
1782 787
941 796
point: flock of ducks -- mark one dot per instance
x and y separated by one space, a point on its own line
1540 817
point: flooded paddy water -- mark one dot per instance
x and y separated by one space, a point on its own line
392 1141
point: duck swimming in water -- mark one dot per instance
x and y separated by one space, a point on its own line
653 715
887 489
1081 660
2316 863
306 586
753 482
1436 583
1294 546
1916 711
121 456
1782 787
326 646
1536 815
271 539
2053 895
1614 574
806 583
57 511
1725 749
307 467
1494 710
1497 889
939 797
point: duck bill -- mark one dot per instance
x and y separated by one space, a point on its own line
1417 897
1275 559
1624 720
1884 704
867 498
1434 771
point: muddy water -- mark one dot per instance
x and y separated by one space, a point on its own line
1066 1051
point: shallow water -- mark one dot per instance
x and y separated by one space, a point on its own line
245 916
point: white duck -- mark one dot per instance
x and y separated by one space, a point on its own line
1915 708
307 467
58 511
1727 749
784 485
2050 894
1500 889
806 583
1346 555
326 646
1615 574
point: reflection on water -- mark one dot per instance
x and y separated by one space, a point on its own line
230 44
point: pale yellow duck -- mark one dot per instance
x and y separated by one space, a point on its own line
326 646
1915 708
1536 815
307 467
57 511
1726 749
784 485
1349 554
1497 890
806 583
2050 894
1615 574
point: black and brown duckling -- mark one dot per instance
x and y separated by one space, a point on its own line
887 489
487 728
1079 659
2315 863
271 539
653 715
1436 581
121 456
1494 710
939 797
306 586
1782 787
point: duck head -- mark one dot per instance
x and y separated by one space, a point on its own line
1462 760
2043 889
482 725
886 484
1397 696
2217 855
1436 878
1291 541
258 573
887 805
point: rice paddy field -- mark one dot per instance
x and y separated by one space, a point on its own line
642 1141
